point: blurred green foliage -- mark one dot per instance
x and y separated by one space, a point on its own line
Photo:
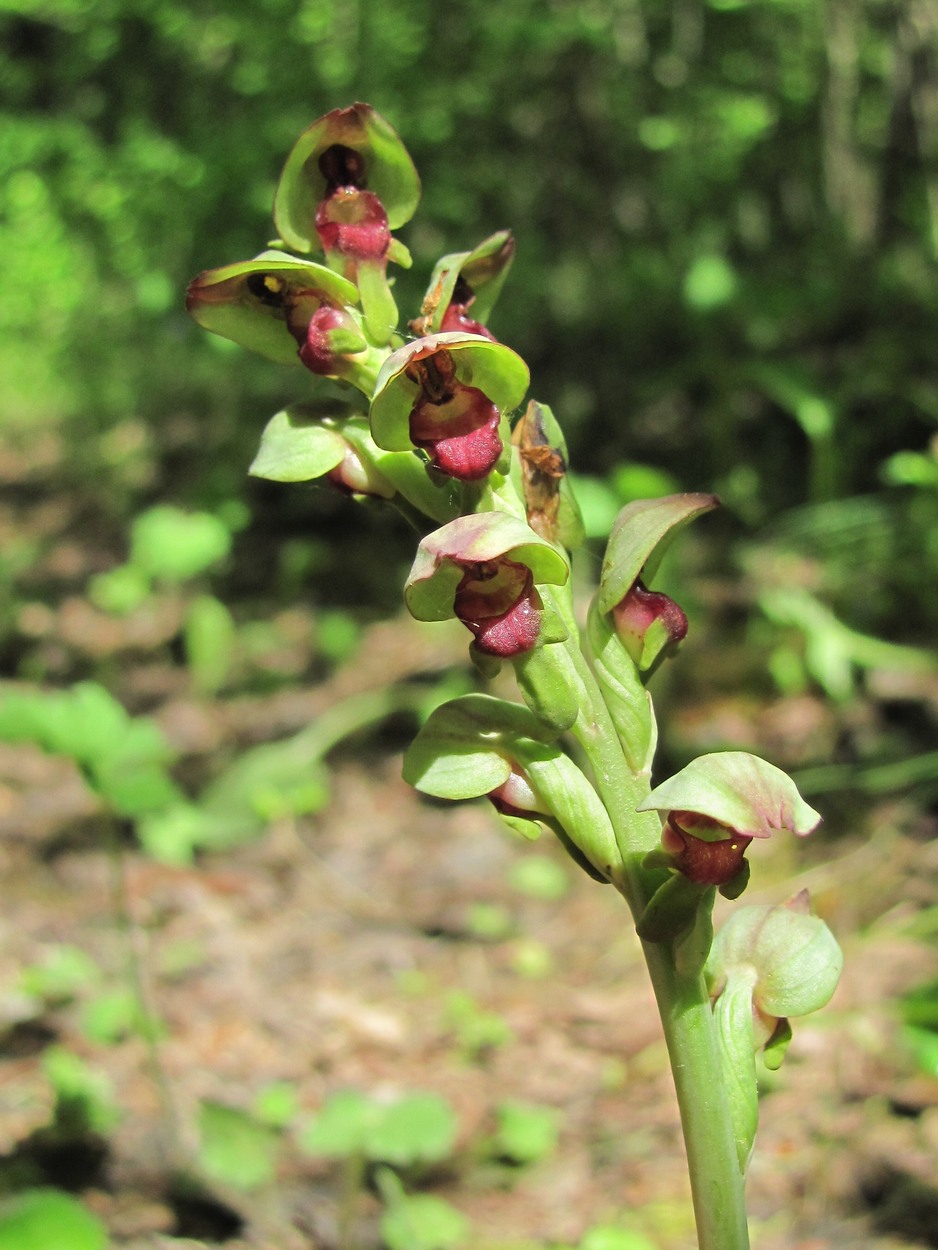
729 209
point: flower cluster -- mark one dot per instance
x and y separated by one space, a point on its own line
437 426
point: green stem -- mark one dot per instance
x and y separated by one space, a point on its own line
717 1183
683 1002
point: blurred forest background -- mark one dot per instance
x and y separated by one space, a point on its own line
727 225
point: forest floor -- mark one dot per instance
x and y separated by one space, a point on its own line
388 944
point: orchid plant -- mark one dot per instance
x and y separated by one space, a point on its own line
433 422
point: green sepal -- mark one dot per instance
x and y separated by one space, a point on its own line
733 888
221 301
549 685
776 1048
492 368
471 745
643 531
738 790
389 172
485 269
671 910
443 556
628 701
300 443
466 747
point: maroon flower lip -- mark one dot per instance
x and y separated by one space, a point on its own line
353 223
497 601
704 861
457 425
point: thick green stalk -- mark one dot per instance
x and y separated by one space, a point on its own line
717 1183
683 1002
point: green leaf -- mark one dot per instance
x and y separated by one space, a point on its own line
419 1128
539 876
209 635
47 1219
234 1148
277 1103
120 591
640 538
423 1222
342 1127
738 790
64 971
526 1133
84 1098
174 545
388 172
607 1237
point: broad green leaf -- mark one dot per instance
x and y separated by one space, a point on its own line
174 545
418 1128
423 1222
47 1219
640 537
342 1127
210 635
526 1132
234 1148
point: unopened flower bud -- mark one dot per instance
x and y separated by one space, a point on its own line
649 624
517 797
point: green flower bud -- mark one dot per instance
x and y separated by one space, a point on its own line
793 956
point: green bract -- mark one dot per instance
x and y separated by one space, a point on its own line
231 301
492 368
640 538
484 270
388 172
738 790
444 555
